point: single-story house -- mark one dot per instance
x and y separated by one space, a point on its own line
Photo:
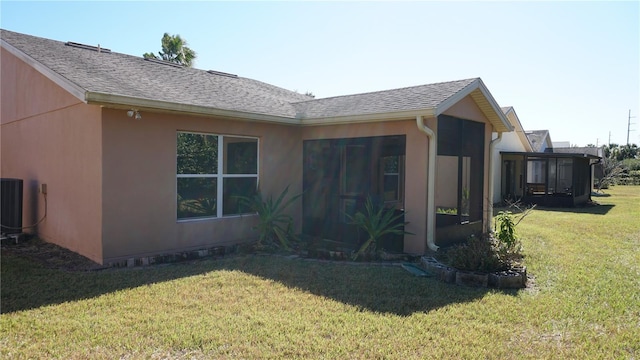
515 141
533 171
540 140
131 157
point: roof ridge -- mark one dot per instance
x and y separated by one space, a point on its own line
387 90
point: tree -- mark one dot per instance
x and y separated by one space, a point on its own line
611 169
175 50
621 152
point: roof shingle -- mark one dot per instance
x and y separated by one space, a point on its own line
133 77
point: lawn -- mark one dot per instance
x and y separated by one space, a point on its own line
584 303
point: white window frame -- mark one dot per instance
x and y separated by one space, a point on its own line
220 176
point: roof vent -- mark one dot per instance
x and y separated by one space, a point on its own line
213 72
88 47
164 62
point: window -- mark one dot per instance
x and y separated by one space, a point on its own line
392 167
213 172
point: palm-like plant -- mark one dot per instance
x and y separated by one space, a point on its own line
376 221
274 224
174 49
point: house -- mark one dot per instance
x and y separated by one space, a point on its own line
597 171
142 157
534 171
515 141
540 140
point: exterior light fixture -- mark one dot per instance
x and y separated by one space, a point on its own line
134 114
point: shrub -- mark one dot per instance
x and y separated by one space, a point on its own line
376 221
479 253
275 227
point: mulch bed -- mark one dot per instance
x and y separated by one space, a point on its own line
48 255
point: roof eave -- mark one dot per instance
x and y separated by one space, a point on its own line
368 118
111 100
74 89
485 102
518 129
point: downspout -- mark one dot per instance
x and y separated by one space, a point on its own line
492 146
431 184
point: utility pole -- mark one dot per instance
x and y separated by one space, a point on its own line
629 126
609 138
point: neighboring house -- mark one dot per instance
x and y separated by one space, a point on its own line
515 141
540 140
597 172
143 157
533 171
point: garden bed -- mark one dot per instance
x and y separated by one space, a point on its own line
509 279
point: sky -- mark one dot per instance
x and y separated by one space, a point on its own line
572 68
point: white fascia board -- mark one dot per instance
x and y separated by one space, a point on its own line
476 84
66 84
443 106
519 130
120 101
369 118
495 105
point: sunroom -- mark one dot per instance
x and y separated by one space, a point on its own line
547 179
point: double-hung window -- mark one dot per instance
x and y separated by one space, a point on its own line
213 173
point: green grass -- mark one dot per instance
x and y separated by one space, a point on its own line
585 303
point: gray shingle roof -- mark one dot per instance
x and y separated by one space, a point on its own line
537 138
590 150
134 77
126 75
404 99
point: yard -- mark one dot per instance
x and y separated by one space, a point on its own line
584 302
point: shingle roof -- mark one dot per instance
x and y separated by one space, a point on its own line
404 99
537 138
590 150
132 77
126 75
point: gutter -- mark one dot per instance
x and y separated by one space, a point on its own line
431 184
492 146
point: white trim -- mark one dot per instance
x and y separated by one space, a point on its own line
477 84
119 101
220 176
495 106
368 118
455 98
72 88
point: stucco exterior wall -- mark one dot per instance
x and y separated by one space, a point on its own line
416 160
139 182
50 137
510 142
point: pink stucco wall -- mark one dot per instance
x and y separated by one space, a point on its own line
139 182
50 137
111 179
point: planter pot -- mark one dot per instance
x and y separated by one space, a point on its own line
510 279
430 264
474 279
445 273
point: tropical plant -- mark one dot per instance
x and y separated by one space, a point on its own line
275 227
175 50
506 230
377 221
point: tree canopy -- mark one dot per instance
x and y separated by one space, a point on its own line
175 50
621 152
